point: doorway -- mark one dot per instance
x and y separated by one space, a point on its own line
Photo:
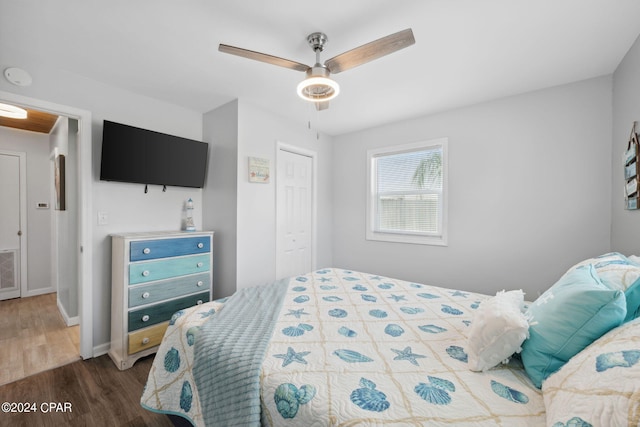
12 251
83 251
295 211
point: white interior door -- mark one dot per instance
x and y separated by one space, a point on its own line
10 231
294 244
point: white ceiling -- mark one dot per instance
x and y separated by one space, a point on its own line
466 51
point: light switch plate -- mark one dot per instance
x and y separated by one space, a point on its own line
103 218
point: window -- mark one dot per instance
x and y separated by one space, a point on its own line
407 193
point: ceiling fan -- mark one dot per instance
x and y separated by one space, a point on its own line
317 86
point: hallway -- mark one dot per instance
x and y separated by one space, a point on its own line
34 337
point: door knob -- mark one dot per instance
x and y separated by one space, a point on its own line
19 232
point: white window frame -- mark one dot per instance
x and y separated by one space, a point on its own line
439 239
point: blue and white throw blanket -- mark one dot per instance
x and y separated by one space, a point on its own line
345 348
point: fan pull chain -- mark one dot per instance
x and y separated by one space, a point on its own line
317 121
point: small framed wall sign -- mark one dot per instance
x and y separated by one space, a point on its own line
259 170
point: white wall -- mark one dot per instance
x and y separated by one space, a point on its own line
244 214
529 182
259 133
64 228
39 182
128 208
625 226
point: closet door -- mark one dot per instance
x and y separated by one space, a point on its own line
294 214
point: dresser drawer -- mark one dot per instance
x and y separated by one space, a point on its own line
167 289
161 312
163 269
163 248
147 337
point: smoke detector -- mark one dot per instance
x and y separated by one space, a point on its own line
18 76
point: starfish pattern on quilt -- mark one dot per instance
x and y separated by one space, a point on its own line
292 356
397 298
459 294
407 355
296 313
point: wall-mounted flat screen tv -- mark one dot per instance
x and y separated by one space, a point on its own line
131 154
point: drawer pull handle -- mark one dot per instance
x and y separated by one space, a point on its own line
145 341
200 245
145 273
145 318
146 295
200 264
200 283
199 302
146 251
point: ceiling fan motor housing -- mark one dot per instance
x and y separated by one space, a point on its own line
317 41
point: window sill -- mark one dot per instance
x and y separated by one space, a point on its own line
407 238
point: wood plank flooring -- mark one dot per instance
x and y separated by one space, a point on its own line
34 337
97 393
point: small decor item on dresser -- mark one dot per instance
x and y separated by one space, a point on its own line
189 224
630 160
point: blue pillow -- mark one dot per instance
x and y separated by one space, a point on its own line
619 272
574 312
632 295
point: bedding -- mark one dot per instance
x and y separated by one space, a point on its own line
601 385
345 348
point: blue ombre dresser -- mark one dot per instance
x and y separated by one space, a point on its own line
153 276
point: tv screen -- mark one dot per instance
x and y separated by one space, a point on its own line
131 154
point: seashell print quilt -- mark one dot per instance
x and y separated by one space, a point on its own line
351 348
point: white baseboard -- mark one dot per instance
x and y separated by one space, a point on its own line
101 349
70 321
42 291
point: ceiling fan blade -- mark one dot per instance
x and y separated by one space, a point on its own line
370 51
257 56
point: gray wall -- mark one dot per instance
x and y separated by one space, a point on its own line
220 197
625 226
529 191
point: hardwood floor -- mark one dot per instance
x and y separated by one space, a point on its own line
34 337
94 391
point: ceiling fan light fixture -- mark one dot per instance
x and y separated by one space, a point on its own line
318 89
12 112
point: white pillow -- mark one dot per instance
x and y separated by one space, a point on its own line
600 385
498 329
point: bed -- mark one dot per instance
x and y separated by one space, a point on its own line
341 347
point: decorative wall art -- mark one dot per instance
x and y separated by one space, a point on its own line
59 179
258 170
631 158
